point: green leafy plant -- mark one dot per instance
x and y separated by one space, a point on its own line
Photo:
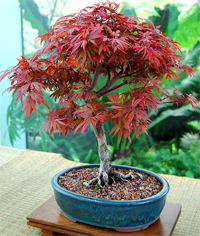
14 120
167 19
191 143
32 14
187 33
188 140
170 120
180 162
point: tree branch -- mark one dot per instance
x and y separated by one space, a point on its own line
108 69
96 75
101 93
109 83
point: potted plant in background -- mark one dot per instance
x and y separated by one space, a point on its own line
129 52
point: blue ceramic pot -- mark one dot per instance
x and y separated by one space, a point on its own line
124 216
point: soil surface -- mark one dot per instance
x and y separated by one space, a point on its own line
118 190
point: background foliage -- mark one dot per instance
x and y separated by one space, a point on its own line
172 146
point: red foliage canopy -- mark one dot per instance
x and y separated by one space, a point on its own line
99 41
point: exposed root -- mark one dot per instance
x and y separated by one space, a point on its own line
129 175
103 178
89 183
126 177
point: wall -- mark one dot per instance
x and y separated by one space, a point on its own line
10 49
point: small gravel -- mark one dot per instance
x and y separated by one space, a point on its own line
119 190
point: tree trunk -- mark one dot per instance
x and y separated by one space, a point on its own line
105 166
105 170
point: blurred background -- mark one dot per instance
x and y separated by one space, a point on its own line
173 144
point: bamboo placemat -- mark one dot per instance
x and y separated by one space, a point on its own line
8 154
185 191
26 184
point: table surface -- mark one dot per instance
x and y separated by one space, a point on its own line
25 184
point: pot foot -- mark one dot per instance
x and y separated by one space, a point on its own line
69 217
133 229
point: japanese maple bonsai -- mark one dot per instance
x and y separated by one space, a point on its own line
79 49
98 42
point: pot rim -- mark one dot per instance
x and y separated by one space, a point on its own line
78 196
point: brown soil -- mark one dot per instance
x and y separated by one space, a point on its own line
120 190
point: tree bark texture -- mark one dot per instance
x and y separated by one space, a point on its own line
105 166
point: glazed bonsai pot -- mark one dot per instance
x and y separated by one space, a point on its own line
123 216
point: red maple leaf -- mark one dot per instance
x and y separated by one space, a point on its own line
82 47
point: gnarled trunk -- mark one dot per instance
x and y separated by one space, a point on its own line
105 170
105 166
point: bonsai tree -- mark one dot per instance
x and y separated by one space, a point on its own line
86 46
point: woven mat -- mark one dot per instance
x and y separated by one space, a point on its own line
26 184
